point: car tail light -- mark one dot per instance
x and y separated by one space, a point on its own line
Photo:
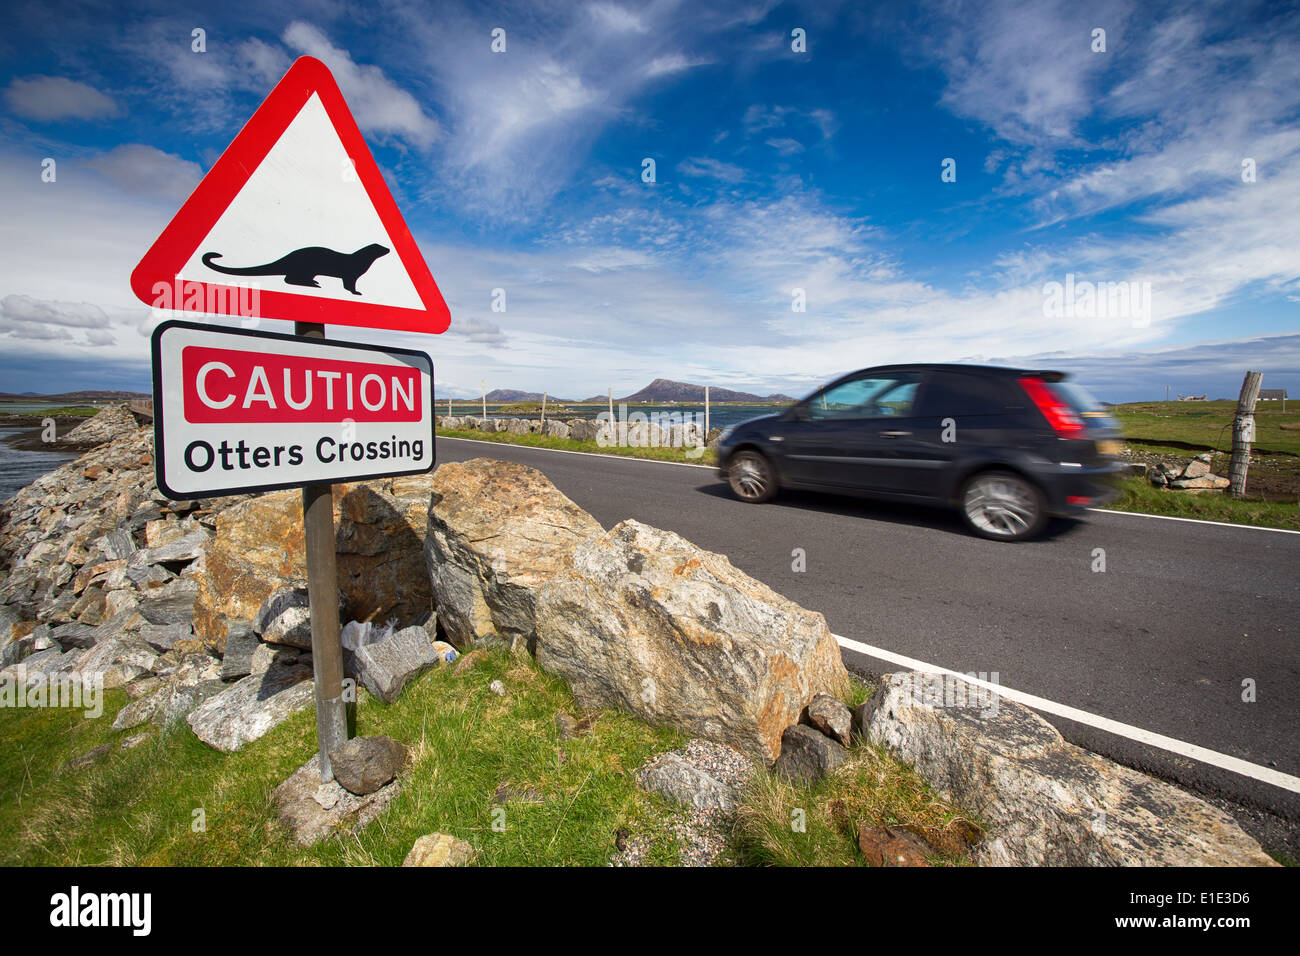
1078 500
1063 419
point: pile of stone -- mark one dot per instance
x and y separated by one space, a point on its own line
112 422
1193 476
638 434
197 607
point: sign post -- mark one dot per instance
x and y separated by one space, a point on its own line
295 222
322 594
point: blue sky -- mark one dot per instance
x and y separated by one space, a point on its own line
775 170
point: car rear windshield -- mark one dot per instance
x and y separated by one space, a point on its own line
1077 397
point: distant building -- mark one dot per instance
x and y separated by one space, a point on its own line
1272 394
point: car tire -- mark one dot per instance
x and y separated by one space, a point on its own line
1003 506
751 477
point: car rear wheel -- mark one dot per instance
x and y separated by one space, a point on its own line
1003 506
751 477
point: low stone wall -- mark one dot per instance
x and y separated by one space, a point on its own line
638 434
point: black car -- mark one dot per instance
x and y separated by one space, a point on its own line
1007 447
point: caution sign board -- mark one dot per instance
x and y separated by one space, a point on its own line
237 410
295 221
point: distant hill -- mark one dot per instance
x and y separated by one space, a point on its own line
83 396
515 395
666 390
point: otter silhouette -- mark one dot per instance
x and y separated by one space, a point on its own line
302 266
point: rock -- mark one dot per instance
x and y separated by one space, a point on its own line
831 716
185 548
266 655
555 429
676 778
386 667
138 712
646 621
1046 801
135 740
469 661
258 549
313 810
364 764
241 644
87 759
884 846
246 710
165 636
807 755
439 849
74 635
497 532
497 688
285 618
112 422
583 429
570 727
172 603
1196 468
180 700
1205 482
117 661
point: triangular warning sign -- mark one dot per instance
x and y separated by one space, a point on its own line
294 221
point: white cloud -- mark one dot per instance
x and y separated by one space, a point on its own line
617 18
148 171
52 98
711 168
672 63
379 104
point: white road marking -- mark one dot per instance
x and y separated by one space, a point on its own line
1220 524
1151 739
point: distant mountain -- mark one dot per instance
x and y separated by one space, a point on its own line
666 390
83 396
515 395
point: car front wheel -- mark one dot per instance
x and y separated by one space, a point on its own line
751 477
1003 506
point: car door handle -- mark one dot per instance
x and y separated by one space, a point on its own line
894 433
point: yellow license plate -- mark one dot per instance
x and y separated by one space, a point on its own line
1110 447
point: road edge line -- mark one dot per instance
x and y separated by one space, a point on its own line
1179 747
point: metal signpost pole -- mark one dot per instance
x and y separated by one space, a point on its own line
323 593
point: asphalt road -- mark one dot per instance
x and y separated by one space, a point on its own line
1162 639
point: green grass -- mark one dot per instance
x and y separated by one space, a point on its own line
569 444
1208 425
781 824
64 411
1138 494
137 807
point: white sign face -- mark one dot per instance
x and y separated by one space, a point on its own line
237 410
305 193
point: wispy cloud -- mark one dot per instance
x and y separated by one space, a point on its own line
50 99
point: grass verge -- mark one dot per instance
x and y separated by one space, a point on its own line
144 806
1139 495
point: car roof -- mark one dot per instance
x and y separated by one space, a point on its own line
1049 374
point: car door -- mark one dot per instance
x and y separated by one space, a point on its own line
842 437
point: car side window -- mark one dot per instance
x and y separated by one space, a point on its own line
954 394
876 397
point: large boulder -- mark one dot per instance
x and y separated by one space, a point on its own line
251 707
498 531
1045 801
644 620
258 549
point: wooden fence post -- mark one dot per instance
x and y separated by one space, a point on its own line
1243 433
